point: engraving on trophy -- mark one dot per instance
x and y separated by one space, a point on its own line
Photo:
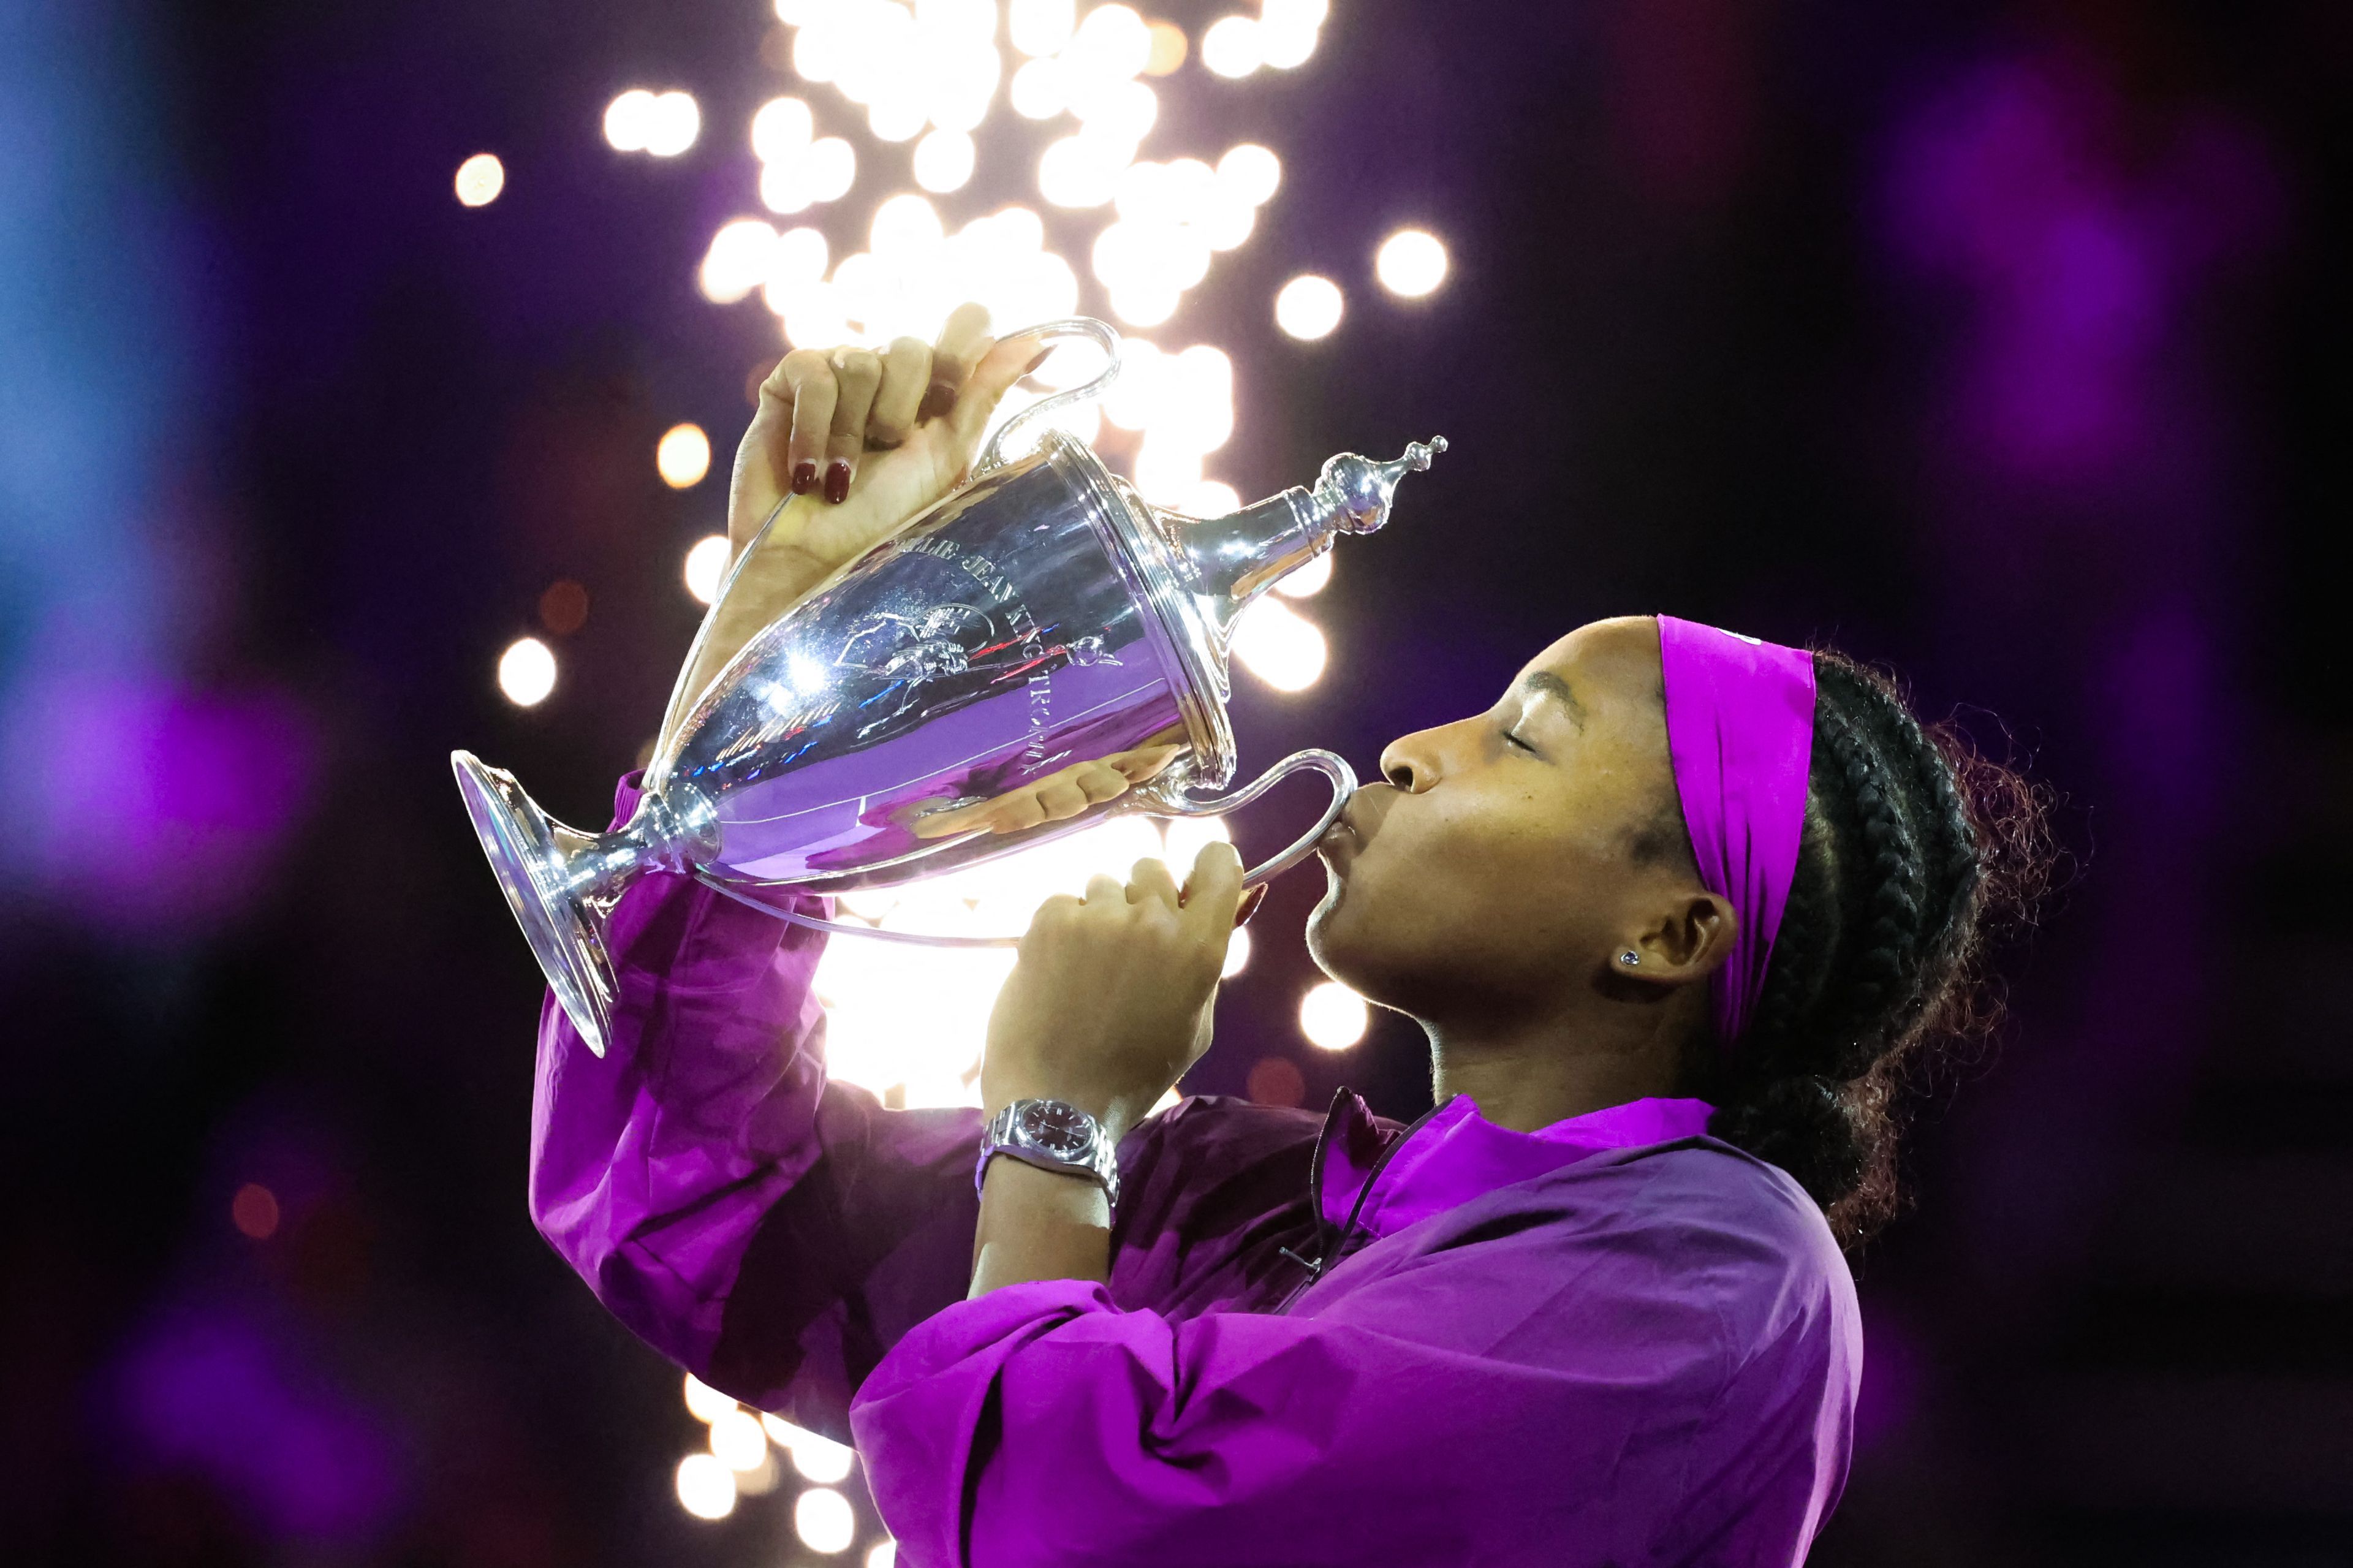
916 649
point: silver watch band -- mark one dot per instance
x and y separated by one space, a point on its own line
1054 1135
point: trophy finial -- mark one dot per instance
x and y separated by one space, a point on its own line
1228 561
1357 492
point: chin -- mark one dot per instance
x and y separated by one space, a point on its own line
1336 943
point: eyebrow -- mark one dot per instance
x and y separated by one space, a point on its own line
1545 683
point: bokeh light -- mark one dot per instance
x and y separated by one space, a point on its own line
1308 307
1411 263
1333 1017
706 1487
1251 173
895 118
563 606
1036 90
1081 171
527 672
761 1478
1168 49
1041 26
737 260
817 1456
885 1554
480 180
706 563
738 1441
628 119
1287 31
795 269
1112 41
943 161
1238 953
254 1211
1279 645
1276 1080
824 1521
1232 46
822 171
704 1403
675 123
662 123
782 128
683 456
821 1459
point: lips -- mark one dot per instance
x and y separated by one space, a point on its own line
1339 843
1346 838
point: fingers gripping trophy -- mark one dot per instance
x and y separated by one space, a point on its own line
928 652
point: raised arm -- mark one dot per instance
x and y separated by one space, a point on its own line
770 1231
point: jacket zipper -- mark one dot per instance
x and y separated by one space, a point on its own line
1315 1192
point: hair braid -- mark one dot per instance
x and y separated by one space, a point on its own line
1877 943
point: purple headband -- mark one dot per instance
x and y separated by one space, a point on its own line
1740 729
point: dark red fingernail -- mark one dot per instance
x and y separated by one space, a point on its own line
1034 363
836 481
804 477
938 400
1250 901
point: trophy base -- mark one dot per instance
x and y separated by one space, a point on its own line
528 851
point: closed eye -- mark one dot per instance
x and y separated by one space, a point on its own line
1516 741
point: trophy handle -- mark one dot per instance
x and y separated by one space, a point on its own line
1162 797
1102 334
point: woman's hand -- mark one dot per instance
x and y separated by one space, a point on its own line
1059 795
1111 999
853 445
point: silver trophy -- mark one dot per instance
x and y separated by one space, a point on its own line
1044 614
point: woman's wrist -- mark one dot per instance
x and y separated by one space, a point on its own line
1036 1224
1115 1112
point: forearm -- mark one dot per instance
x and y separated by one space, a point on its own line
651 1168
1036 1224
1039 1225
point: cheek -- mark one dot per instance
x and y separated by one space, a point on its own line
1476 875
1492 852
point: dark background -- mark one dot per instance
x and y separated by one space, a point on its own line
2005 343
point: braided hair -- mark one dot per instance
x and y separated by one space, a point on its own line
1916 849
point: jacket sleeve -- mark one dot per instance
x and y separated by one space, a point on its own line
1502 1404
772 1232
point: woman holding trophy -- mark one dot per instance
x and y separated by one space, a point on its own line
1672 910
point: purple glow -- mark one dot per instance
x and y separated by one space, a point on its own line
2078 255
156 805
212 1393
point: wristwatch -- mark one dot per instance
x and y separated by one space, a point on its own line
1053 1134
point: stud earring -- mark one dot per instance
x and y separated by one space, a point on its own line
1629 958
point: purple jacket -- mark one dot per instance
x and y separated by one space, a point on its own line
1327 1340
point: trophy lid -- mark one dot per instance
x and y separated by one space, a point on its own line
1228 561
1197 574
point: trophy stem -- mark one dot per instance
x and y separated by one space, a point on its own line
561 883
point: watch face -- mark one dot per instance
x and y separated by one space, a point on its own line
1058 1130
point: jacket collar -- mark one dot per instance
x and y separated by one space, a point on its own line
1364 1176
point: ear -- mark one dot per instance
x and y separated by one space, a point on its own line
1686 942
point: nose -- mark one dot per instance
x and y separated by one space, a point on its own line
1411 762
